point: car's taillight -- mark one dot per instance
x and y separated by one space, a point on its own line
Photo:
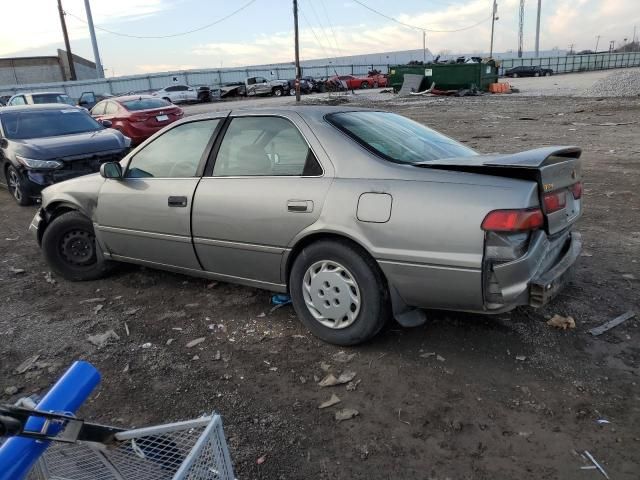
555 201
513 220
576 190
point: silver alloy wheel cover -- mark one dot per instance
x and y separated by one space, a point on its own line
331 294
14 185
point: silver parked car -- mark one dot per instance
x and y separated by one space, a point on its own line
358 214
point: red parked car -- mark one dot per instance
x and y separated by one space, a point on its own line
355 83
137 116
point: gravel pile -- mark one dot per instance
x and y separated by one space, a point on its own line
623 83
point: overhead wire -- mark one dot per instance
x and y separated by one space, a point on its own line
306 20
187 32
322 29
415 27
333 32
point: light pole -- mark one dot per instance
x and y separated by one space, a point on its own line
597 42
424 46
494 17
538 29
297 48
94 42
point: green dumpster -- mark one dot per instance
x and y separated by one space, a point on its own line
448 76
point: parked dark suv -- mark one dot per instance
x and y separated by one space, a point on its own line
528 71
45 144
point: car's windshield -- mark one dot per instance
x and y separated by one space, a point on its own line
51 98
47 123
144 104
397 138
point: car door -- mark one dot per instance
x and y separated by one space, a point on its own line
262 86
266 186
145 217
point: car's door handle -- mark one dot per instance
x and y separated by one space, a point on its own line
177 201
300 206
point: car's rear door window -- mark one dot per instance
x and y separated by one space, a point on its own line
111 109
264 146
175 154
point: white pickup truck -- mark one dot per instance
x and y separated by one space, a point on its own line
262 86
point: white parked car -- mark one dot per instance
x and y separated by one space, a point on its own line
178 93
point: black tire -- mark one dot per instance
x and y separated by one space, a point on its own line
277 92
364 85
374 303
537 74
292 91
70 248
514 75
15 182
547 74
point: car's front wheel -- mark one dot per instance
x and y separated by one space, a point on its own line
547 74
15 182
70 248
338 292
364 85
514 75
277 92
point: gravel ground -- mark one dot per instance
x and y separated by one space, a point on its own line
504 397
621 83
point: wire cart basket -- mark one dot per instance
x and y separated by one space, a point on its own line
190 450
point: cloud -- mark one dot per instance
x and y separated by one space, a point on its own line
36 31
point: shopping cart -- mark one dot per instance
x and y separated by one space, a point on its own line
78 450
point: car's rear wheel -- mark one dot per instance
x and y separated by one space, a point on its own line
292 91
70 248
338 292
375 85
364 84
547 74
537 74
277 92
515 75
15 182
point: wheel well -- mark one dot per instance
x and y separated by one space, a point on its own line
316 237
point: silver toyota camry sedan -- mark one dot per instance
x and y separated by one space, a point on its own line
360 215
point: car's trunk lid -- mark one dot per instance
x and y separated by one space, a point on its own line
557 170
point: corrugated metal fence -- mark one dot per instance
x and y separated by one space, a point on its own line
215 77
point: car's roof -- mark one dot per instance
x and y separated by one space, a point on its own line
127 98
40 93
38 106
308 112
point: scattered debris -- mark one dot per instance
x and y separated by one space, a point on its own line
168 315
261 315
17 271
195 342
27 364
195 357
169 341
192 305
521 358
378 358
132 311
612 323
92 300
596 464
9 239
49 279
126 328
428 355
217 356
353 386
101 339
212 285
261 460
628 276
325 366
558 321
146 345
343 357
346 414
334 400
602 421
12 390
330 380
403 421
97 308
439 358
126 368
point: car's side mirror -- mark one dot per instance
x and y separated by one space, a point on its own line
111 170
106 123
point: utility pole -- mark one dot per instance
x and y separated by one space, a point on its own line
521 29
67 45
493 21
597 42
424 46
538 29
297 43
571 45
94 42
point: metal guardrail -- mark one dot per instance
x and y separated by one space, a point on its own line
214 77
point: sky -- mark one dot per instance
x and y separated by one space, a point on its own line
263 32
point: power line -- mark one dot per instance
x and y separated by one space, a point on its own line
220 20
322 29
304 17
416 27
333 32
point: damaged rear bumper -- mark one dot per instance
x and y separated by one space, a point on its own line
535 278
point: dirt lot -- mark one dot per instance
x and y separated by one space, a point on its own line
478 411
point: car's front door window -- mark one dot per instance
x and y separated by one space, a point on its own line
264 146
175 154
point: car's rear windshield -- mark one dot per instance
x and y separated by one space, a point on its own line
145 104
397 138
51 98
47 123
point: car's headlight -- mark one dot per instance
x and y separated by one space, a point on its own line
38 164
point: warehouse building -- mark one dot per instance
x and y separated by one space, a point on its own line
27 70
